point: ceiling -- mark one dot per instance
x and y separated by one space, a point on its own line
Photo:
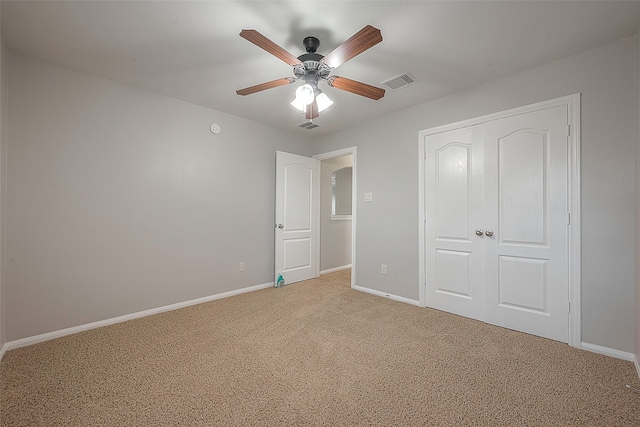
192 50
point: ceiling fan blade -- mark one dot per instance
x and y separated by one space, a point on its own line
265 86
362 40
262 42
311 111
356 87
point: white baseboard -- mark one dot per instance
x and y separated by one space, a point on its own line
68 331
608 352
636 360
386 295
3 350
331 270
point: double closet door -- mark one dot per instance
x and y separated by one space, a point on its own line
497 222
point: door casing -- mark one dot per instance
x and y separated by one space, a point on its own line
354 200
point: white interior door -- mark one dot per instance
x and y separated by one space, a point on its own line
454 210
296 217
526 285
496 230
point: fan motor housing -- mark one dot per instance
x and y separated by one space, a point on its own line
314 57
311 61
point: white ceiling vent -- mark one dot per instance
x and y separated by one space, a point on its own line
309 125
400 81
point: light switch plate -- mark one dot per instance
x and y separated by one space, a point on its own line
368 197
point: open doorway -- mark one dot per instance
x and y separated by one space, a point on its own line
336 218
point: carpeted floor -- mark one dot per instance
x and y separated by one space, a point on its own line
312 353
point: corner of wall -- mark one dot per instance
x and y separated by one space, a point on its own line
637 201
3 169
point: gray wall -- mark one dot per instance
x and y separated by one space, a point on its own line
3 156
387 228
120 200
335 235
637 199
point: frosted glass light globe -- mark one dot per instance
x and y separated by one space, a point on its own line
305 94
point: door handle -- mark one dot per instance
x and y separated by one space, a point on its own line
479 233
280 226
488 233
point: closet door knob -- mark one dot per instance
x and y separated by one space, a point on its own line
479 233
489 233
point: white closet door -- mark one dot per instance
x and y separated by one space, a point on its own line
526 283
454 210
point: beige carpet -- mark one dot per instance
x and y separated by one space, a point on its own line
312 353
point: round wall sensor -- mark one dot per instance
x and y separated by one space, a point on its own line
215 128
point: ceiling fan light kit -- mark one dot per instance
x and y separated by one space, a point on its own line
313 68
321 98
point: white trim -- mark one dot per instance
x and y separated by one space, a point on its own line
340 217
386 295
607 351
636 361
317 213
422 219
75 329
354 202
556 102
572 102
574 229
331 270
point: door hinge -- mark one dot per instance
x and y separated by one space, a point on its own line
568 218
424 154
568 130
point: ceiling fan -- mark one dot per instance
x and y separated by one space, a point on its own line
312 68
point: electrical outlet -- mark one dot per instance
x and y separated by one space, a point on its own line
241 266
383 269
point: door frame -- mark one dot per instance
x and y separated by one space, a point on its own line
572 102
330 155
